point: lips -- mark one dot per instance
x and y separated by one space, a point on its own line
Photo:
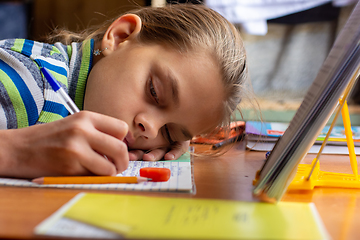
128 140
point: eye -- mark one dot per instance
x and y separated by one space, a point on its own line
152 91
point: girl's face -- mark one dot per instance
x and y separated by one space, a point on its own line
163 95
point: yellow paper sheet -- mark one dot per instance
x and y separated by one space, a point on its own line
155 217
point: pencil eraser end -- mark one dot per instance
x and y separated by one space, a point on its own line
156 174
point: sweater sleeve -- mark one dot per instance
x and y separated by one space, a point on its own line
26 98
21 89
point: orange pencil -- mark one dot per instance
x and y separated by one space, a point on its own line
89 180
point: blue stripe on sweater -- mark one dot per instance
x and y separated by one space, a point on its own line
59 70
54 107
27 47
26 96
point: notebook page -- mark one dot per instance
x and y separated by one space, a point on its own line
180 179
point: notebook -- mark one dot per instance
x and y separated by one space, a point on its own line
180 179
142 217
337 75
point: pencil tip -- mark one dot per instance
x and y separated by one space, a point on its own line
38 180
144 179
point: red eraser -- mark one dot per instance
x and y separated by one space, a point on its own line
156 174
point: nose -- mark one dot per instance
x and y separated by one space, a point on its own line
148 127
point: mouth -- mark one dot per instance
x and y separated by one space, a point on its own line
128 140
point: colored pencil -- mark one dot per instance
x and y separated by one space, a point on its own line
237 138
89 180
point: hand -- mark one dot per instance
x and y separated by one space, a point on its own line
177 149
75 145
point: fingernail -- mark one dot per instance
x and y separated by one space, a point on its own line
150 157
132 157
170 156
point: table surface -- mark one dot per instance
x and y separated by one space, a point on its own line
227 177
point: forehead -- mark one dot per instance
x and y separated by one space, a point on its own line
200 89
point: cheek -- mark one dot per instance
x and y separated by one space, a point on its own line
112 99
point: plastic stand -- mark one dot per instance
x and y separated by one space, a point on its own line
309 176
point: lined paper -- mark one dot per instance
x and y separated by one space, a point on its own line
180 179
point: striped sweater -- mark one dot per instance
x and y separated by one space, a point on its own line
26 98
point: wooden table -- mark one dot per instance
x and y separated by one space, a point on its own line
226 177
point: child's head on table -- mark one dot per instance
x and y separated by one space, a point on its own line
170 73
163 75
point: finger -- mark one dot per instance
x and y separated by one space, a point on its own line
177 150
154 155
97 163
135 155
112 148
106 124
105 135
118 154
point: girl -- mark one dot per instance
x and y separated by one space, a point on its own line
151 79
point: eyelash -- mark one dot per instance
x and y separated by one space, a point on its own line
153 92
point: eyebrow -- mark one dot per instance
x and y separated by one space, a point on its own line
175 94
174 86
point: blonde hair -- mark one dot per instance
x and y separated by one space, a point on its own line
188 27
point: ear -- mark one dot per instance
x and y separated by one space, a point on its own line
124 28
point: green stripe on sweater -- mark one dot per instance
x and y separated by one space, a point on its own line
83 74
16 100
46 117
18 45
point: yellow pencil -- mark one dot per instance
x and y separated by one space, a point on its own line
89 180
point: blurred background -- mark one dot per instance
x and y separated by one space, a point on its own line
286 40
34 19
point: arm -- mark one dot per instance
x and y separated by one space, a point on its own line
75 145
